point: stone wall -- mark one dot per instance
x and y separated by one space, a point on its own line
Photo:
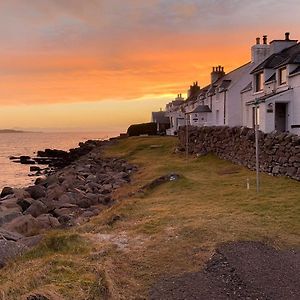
279 153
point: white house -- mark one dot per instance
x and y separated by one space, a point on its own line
270 81
175 114
275 89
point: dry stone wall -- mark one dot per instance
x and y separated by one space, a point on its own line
279 153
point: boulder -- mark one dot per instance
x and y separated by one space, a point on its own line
36 209
25 203
9 250
36 191
9 236
54 192
11 203
6 191
47 221
8 215
26 225
31 241
21 194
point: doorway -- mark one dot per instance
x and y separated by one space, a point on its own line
281 116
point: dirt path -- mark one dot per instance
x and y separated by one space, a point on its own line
238 270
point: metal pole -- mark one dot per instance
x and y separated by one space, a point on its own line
257 148
187 137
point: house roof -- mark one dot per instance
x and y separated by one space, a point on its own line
272 78
225 84
159 117
234 75
297 70
289 55
265 97
248 87
201 109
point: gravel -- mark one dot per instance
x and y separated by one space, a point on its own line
238 270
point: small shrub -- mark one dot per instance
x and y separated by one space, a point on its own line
59 243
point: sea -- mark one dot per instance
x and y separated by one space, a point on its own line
28 143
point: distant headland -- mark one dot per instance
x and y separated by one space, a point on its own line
12 131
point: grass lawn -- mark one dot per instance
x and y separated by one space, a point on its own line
169 230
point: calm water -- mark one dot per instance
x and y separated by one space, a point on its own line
16 144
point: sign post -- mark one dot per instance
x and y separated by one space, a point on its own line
256 125
187 137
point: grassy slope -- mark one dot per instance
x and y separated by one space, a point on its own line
169 230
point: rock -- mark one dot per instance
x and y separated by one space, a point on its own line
54 192
66 220
6 191
47 221
9 250
84 202
36 209
25 203
36 191
71 211
106 189
88 214
31 241
26 225
7 216
35 169
11 203
9 236
21 194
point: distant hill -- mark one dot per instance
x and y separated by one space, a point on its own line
11 131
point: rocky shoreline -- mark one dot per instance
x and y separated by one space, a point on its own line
77 188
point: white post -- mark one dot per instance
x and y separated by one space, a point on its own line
257 148
187 137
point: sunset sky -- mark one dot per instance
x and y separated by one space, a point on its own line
104 64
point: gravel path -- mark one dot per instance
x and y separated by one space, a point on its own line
238 270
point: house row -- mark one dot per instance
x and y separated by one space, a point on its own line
264 91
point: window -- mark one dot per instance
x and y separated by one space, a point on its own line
282 76
259 78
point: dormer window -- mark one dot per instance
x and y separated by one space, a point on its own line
282 76
259 81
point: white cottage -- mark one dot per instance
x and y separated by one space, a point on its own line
275 89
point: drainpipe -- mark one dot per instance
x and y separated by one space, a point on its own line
225 100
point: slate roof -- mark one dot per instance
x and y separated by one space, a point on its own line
160 118
224 85
272 78
248 87
201 109
289 55
265 97
297 70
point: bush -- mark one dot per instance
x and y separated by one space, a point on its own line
144 128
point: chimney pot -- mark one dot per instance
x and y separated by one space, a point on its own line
265 39
287 36
257 41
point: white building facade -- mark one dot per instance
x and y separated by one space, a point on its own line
270 81
275 90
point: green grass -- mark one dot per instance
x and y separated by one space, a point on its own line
171 229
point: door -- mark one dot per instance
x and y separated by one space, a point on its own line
280 116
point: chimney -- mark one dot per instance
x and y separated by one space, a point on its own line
287 36
259 52
279 45
217 73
